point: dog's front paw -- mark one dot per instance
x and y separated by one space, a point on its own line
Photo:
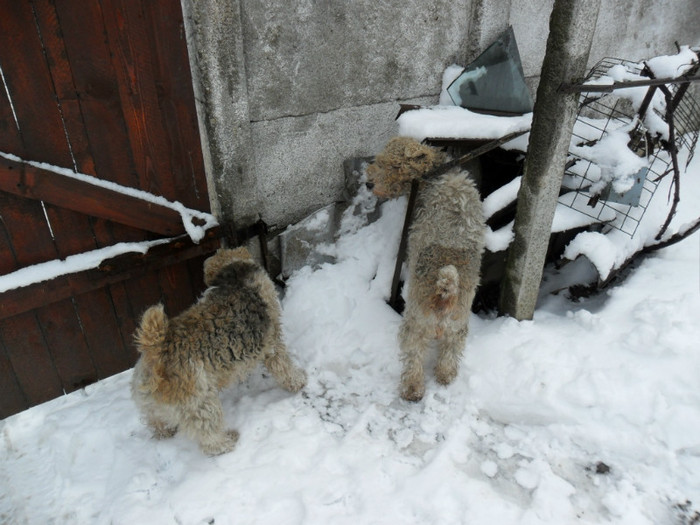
226 443
413 392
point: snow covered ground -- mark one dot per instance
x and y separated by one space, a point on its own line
590 413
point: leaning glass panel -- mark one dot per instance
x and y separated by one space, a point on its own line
494 82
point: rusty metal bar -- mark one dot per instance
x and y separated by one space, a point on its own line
609 88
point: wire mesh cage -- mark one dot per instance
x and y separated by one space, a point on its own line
642 114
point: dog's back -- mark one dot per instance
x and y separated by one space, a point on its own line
446 243
232 320
450 211
228 325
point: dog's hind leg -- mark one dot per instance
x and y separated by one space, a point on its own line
413 343
450 350
203 420
286 373
162 419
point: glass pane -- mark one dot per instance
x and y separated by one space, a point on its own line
494 82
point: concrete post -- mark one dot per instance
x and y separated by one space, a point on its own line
571 29
215 45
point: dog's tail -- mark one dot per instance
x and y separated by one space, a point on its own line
444 299
150 335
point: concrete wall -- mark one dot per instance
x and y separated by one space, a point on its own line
287 91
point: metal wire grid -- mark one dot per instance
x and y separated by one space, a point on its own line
597 114
686 117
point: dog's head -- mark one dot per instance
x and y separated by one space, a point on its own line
402 160
222 258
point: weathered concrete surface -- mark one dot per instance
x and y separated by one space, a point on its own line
570 35
215 45
288 90
306 57
639 29
300 160
530 21
489 18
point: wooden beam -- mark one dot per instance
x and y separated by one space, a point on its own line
35 183
117 269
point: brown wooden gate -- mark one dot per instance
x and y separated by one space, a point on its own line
103 88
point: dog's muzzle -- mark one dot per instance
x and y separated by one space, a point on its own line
369 185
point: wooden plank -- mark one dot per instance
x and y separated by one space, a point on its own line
21 58
30 84
29 236
96 90
9 132
176 102
145 88
114 270
9 142
12 399
58 331
7 258
132 60
105 313
31 182
154 132
64 338
62 77
40 115
23 338
43 134
143 292
94 310
29 363
176 288
85 341
196 269
30 358
92 105
102 332
119 292
126 320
